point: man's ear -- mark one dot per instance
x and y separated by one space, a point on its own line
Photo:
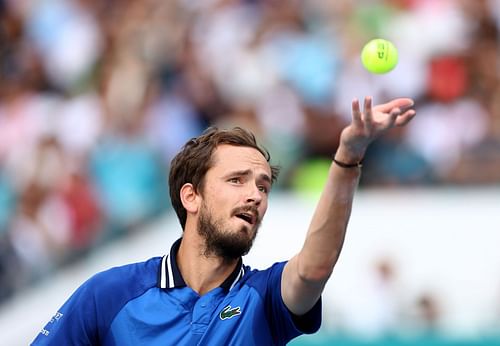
189 198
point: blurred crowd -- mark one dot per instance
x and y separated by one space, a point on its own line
96 96
386 309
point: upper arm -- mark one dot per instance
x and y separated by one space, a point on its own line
299 295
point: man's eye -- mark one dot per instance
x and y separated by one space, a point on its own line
263 189
234 180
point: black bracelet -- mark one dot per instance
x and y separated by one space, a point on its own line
348 165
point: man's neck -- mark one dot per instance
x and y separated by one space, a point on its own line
200 272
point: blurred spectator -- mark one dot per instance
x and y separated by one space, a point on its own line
429 312
84 213
391 161
7 201
376 313
129 180
425 319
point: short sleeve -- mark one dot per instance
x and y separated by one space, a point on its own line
285 325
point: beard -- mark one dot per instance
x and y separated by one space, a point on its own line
223 243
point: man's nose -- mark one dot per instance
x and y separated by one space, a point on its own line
254 195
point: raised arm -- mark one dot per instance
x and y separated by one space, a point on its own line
306 274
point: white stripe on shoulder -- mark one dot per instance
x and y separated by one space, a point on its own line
171 283
163 278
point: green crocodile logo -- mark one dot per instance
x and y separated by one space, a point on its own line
229 312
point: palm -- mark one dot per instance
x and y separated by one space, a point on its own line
371 122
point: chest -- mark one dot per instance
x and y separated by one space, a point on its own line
181 317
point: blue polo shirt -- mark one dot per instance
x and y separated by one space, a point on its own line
149 303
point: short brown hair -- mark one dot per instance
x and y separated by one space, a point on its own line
194 160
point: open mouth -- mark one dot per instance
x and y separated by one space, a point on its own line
247 217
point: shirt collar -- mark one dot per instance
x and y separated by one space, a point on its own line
169 275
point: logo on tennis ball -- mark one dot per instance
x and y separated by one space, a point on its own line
379 56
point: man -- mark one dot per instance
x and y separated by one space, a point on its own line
201 293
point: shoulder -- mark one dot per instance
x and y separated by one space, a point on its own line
86 316
128 280
141 274
261 279
260 273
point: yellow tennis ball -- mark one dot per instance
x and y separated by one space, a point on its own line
379 56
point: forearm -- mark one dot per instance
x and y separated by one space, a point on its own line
326 233
306 274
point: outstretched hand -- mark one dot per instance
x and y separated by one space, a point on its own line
370 123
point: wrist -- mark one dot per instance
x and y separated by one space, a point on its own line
345 157
343 164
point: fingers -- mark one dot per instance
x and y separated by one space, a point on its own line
392 118
397 118
404 104
405 118
356 112
367 111
398 112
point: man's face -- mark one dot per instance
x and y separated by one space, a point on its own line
234 200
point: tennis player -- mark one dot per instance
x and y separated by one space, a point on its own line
200 292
